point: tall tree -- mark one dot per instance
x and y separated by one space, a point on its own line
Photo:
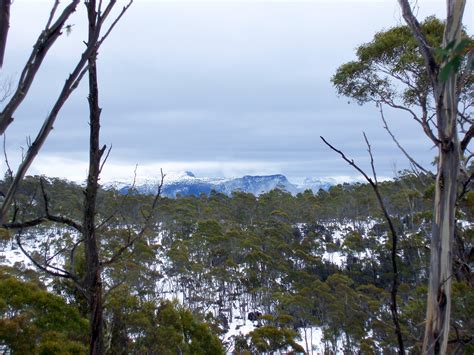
445 79
424 69
91 283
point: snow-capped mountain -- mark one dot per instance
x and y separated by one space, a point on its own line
186 183
315 184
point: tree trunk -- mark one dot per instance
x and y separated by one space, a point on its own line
446 99
93 282
439 287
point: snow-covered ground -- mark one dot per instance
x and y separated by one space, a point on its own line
170 288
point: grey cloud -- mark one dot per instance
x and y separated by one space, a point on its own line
230 82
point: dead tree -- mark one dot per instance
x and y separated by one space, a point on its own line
90 285
52 31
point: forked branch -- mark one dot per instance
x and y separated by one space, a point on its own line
144 229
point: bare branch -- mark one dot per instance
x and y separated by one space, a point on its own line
375 188
9 169
467 138
58 272
69 86
44 42
25 224
117 19
413 161
105 159
73 251
51 15
58 219
144 229
4 27
424 46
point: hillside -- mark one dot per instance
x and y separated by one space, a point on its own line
308 272
185 184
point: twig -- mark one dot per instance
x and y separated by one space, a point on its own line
51 15
58 219
117 19
385 125
105 159
145 227
9 169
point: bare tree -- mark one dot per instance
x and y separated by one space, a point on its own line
90 285
52 31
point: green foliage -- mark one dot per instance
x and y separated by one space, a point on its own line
391 70
167 328
269 338
452 57
33 320
268 254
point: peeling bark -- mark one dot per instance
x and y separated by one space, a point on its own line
446 98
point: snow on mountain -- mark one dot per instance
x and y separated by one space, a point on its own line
186 183
315 184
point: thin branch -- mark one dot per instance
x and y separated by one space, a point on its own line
7 163
58 219
117 19
375 188
465 186
72 254
58 272
425 49
51 15
105 159
25 224
369 149
467 138
144 229
385 125
69 86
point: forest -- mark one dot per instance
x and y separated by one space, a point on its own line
384 266
289 266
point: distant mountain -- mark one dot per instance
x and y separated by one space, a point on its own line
316 184
187 183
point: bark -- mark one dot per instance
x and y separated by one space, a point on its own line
446 98
439 287
93 281
40 49
4 27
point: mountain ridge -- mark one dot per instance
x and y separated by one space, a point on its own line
186 183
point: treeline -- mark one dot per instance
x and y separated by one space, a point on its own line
289 265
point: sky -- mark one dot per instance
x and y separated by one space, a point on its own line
220 88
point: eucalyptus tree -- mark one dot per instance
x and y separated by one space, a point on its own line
425 70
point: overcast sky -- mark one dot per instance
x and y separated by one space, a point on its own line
221 88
